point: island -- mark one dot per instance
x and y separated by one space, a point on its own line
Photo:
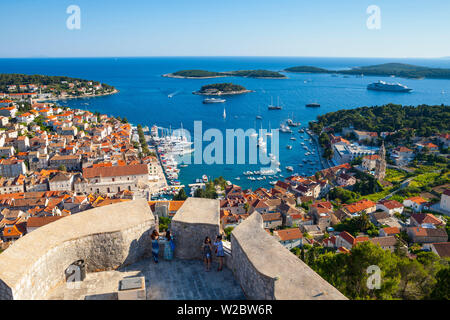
204 74
387 69
218 89
45 87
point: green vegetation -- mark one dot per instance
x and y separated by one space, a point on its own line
386 69
426 120
239 73
220 181
395 176
143 142
55 82
164 223
228 231
181 195
325 144
366 184
307 69
356 225
426 277
209 191
222 88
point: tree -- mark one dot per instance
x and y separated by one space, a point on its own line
228 231
441 290
62 168
181 195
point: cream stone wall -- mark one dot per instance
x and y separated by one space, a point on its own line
105 238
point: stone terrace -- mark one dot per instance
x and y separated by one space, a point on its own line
167 280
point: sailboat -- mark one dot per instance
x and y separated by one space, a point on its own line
224 114
272 107
258 116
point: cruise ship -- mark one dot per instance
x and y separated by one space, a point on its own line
213 100
384 86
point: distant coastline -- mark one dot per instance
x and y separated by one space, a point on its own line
387 69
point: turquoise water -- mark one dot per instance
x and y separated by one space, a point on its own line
143 96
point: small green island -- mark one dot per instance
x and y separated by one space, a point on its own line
387 69
217 89
204 74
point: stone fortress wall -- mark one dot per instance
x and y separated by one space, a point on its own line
105 238
266 270
116 235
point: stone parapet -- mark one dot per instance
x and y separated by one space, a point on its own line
267 270
195 220
105 238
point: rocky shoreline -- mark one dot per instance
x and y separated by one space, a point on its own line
82 96
171 75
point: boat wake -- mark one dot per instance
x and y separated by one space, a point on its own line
171 95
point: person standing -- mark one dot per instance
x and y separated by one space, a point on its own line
219 250
155 245
169 246
207 253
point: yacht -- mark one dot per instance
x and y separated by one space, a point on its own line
272 107
292 123
384 86
213 100
293 138
285 128
313 105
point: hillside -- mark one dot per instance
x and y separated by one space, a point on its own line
221 88
203 74
386 69
388 118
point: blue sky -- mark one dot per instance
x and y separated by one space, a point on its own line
325 28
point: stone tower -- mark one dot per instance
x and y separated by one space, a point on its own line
380 168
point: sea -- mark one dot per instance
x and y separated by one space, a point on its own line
147 98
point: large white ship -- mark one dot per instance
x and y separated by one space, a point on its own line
384 86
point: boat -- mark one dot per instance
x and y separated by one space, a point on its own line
258 117
224 113
293 138
289 147
238 178
289 168
272 107
205 178
285 128
385 86
292 123
313 105
213 100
